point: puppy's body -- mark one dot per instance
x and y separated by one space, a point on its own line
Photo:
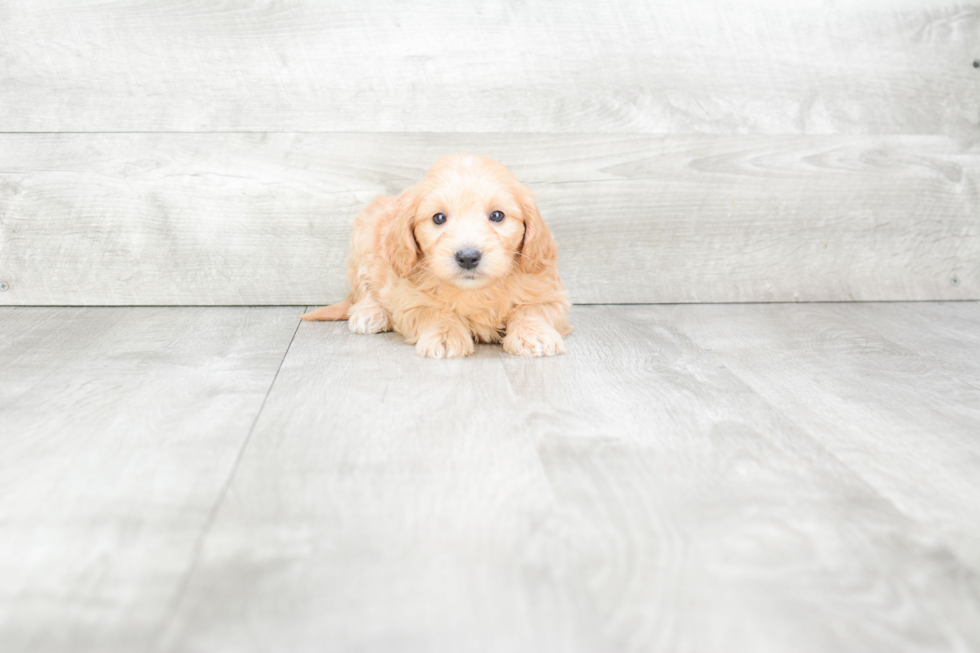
462 255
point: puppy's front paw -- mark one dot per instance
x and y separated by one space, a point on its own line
536 340
371 319
444 345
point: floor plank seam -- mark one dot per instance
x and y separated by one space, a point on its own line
156 641
857 476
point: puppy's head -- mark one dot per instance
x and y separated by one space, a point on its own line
469 222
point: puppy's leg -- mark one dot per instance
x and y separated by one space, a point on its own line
367 316
531 330
435 334
445 342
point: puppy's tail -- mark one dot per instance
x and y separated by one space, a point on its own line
329 313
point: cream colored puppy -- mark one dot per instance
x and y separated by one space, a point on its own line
461 255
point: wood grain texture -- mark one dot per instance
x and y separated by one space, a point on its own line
119 429
756 66
632 495
892 391
109 219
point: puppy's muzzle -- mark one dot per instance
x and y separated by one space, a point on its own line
468 258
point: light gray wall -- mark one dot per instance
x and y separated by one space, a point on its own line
206 152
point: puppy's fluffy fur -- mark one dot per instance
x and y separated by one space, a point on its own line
416 276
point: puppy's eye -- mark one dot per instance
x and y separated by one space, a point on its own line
497 216
439 218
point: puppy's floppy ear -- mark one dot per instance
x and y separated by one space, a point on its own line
538 250
398 242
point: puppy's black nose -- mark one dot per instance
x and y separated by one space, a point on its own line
468 258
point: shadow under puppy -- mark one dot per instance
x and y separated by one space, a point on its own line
461 255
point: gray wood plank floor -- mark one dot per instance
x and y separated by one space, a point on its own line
687 478
118 430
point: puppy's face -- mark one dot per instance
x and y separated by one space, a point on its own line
469 223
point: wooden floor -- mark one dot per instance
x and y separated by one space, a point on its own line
766 477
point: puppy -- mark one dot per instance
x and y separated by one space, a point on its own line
463 255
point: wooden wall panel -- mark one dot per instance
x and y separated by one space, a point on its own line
263 218
204 152
706 66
